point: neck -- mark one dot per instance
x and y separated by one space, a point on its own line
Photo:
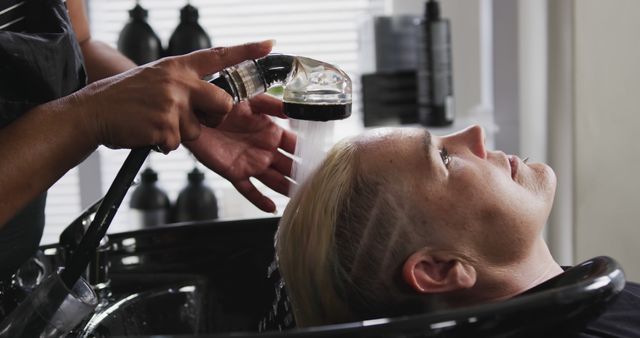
498 283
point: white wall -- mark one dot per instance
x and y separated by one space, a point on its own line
561 225
505 75
607 121
532 76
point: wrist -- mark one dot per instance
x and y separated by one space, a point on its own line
84 119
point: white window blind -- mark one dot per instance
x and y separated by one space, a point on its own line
325 30
63 205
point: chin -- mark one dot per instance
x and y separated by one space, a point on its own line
545 178
541 184
551 178
548 185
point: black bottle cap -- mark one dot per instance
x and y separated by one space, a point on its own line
432 10
195 176
149 176
138 13
189 13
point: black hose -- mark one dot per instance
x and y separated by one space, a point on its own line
78 263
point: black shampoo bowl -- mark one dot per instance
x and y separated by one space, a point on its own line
188 278
210 280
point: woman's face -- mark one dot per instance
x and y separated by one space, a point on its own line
488 203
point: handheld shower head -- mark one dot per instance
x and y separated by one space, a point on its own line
313 90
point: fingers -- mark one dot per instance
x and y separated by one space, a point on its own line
282 164
249 191
212 60
169 136
275 180
210 103
288 141
267 104
189 127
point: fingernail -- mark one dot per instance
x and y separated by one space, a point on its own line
270 42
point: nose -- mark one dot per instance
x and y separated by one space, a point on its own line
473 139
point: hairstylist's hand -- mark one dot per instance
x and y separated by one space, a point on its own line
246 145
164 102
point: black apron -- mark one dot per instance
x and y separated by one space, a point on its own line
40 61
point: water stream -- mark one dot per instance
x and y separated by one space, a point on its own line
314 141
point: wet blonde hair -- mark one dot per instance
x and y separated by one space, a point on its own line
341 243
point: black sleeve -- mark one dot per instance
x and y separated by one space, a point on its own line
621 319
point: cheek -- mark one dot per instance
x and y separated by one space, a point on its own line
498 203
505 241
506 224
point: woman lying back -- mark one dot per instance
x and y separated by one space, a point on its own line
398 221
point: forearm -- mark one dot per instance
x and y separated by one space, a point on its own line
37 149
101 60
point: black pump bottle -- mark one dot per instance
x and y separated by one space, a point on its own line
188 35
149 204
137 39
434 73
196 202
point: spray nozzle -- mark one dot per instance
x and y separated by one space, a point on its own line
313 90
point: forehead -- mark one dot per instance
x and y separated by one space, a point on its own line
383 137
391 149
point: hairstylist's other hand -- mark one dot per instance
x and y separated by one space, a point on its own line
164 102
246 145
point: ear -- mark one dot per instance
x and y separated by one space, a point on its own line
427 271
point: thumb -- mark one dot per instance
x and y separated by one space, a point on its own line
211 60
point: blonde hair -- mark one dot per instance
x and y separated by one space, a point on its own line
341 243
